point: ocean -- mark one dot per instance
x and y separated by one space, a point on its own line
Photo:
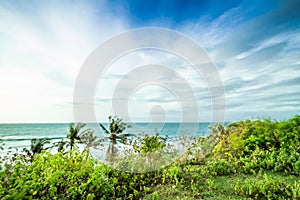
18 136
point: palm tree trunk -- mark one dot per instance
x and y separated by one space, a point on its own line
111 152
108 153
71 144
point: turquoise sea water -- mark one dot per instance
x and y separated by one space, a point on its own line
19 135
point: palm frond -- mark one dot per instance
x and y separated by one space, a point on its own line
127 135
79 126
104 129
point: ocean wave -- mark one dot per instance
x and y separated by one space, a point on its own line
13 139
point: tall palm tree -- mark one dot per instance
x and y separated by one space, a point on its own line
115 130
77 134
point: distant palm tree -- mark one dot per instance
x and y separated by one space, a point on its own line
77 134
36 147
89 139
60 145
115 130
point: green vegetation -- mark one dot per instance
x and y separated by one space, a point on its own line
252 159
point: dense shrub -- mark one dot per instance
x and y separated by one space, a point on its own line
69 176
261 144
244 137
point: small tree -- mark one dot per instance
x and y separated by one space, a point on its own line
150 144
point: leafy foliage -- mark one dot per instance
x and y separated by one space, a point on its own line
149 144
242 138
257 145
269 187
257 159
69 176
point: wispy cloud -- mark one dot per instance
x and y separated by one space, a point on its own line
258 60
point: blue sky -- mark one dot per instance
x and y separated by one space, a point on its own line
254 44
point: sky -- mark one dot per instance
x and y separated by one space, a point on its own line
255 46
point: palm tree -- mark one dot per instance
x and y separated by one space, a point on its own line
60 146
36 147
77 134
89 139
115 130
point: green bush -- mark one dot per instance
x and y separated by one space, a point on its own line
69 176
261 144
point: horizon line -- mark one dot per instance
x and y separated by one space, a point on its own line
108 122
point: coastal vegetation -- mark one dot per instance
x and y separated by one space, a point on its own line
250 159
